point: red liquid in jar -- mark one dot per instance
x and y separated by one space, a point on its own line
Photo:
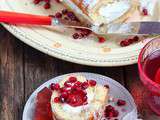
152 66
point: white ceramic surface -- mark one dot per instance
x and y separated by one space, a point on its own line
116 90
59 43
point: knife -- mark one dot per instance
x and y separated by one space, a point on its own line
144 28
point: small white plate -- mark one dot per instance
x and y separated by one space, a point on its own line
116 90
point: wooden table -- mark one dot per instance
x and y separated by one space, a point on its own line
23 69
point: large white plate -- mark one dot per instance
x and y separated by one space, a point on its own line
59 43
116 91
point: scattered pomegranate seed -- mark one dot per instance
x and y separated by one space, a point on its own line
92 83
129 41
101 39
36 1
124 43
106 86
110 112
72 79
145 12
64 95
67 84
135 38
58 15
78 83
121 102
54 86
47 5
85 85
56 99
75 35
64 11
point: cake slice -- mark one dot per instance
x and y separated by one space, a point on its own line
99 12
81 102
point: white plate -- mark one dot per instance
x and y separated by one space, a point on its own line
116 90
61 45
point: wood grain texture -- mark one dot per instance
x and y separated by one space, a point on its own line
11 77
23 69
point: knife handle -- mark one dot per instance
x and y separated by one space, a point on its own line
21 18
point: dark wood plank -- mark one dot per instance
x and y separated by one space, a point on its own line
138 91
11 77
40 67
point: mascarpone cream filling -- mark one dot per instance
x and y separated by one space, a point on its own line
79 109
115 10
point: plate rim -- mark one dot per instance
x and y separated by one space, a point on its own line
76 73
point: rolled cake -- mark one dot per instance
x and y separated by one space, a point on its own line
99 12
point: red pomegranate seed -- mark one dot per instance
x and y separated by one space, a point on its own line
106 86
56 99
54 86
110 112
121 102
124 43
64 95
92 83
72 79
145 12
85 85
78 83
101 39
47 5
67 84
75 35
130 41
64 11
36 1
85 99
135 38
58 15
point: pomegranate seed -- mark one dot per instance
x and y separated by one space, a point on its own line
75 35
64 11
101 39
110 112
56 99
124 43
54 86
135 38
72 79
67 84
64 95
106 86
58 15
78 83
47 5
121 102
92 83
130 41
36 1
145 12
85 85
85 99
